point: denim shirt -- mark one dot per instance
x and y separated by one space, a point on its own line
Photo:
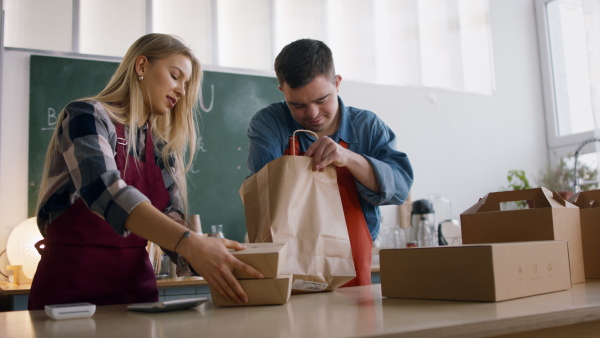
271 128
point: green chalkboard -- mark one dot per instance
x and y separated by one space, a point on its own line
228 102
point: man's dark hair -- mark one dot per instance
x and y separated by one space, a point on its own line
302 61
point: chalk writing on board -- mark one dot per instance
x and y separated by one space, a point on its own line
200 149
206 110
52 118
212 101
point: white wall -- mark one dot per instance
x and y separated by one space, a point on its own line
461 144
465 144
14 140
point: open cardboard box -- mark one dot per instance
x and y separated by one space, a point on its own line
482 272
550 218
589 213
267 258
266 291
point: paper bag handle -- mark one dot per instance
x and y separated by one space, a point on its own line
294 138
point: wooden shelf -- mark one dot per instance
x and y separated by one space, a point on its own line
13 289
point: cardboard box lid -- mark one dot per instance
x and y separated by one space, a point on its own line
586 199
476 272
267 258
266 291
541 198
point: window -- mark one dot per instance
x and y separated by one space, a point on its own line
244 34
433 43
570 66
442 44
52 28
109 27
289 16
194 25
570 54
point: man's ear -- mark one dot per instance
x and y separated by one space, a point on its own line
338 80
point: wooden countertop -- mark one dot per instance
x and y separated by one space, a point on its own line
347 312
13 289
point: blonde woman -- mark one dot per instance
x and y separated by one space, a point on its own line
115 177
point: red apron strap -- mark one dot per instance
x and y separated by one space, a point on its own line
360 238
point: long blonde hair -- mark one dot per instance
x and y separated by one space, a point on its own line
177 130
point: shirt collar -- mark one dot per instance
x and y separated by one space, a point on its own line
346 129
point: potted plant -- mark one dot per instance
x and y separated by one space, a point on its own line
517 180
561 180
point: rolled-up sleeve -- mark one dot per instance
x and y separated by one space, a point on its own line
391 167
264 144
175 206
85 145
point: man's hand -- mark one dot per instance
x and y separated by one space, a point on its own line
326 151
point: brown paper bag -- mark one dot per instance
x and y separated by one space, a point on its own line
286 202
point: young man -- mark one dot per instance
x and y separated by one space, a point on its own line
371 172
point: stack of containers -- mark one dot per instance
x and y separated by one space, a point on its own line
273 289
507 253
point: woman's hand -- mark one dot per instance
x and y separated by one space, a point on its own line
211 259
208 256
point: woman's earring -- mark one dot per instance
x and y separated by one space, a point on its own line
140 78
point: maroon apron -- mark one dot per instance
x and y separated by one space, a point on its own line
358 232
85 260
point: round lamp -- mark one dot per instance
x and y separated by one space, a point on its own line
20 248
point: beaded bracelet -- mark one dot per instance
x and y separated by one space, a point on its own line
186 234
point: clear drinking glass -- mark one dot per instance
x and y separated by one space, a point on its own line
387 238
424 233
400 237
217 231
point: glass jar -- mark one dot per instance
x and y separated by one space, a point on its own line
217 231
441 208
